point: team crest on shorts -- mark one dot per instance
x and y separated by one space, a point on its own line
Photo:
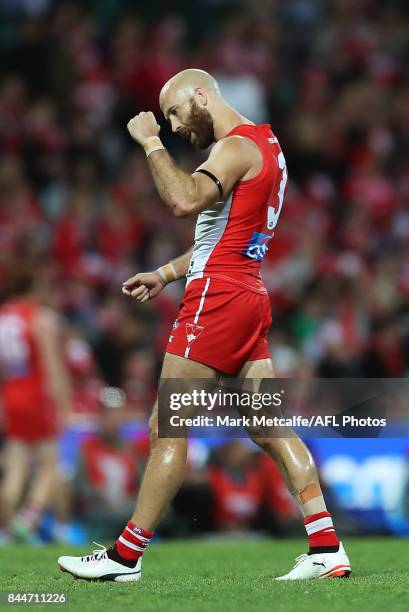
193 331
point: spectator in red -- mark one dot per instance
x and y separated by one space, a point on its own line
236 487
87 385
280 513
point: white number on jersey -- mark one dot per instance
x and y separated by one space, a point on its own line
272 213
14 349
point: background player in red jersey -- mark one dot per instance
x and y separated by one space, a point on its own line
36 397
225 315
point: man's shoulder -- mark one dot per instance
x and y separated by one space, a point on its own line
236 145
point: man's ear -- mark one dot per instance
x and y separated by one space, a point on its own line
201 96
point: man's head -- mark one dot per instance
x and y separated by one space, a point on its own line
188 100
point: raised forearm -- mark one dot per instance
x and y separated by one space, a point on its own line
177 189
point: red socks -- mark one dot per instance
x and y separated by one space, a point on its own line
322 537
133 541
321 533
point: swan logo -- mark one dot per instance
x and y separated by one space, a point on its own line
193 332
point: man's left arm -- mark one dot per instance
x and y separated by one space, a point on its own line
188 194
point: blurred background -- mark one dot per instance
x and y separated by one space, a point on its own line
78 205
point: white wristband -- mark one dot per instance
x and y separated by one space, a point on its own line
151 144
163 273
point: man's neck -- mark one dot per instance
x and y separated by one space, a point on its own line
229 119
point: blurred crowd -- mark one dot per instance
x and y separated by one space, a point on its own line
230 487
78 203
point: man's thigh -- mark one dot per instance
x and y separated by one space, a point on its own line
262 368
175 366
17 455
275 438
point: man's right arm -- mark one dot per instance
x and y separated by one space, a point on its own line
146 285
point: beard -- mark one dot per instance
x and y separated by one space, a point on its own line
198 128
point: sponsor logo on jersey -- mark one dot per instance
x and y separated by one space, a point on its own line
257 247
192 332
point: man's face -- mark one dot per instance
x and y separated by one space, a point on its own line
192 122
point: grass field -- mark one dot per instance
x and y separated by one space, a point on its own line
221 576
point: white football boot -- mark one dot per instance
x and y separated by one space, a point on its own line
320 565
98 566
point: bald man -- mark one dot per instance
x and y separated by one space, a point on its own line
237 196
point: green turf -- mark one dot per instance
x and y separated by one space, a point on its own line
222 576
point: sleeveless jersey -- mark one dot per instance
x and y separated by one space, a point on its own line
23 379
231 238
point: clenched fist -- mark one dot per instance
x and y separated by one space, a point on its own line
143 286
143 126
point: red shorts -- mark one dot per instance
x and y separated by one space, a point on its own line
32 423
221 325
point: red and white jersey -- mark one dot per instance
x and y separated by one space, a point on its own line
20 364
231 238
